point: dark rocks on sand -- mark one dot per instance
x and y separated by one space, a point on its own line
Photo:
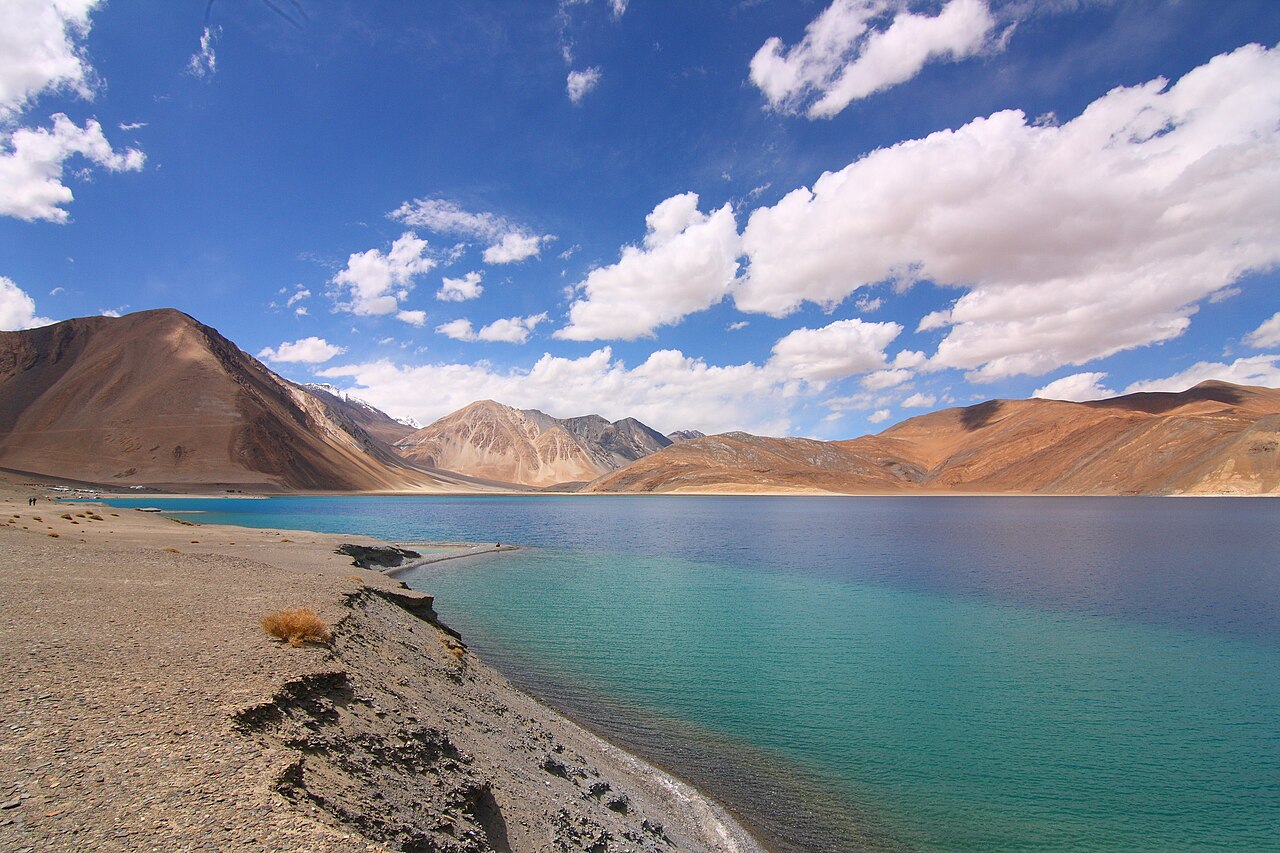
376 557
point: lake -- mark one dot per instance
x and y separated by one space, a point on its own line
886 673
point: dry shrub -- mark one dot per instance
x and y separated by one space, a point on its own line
355 578
298 626
66 515
171 550
52 535
455 648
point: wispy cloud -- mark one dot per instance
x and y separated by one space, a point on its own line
509 241
579 83
204 62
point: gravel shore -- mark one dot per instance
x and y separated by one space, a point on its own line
144 708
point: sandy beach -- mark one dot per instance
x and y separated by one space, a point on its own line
146 708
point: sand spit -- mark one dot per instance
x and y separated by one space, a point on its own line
145 708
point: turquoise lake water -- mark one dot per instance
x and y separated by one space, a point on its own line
887 673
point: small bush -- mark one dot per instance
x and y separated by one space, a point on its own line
67 516
298 626
171 550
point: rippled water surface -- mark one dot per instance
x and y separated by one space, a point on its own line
920 673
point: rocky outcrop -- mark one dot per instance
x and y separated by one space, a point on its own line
376 556
407 740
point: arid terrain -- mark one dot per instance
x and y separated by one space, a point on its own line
156 399
527 447
145 708
1216 438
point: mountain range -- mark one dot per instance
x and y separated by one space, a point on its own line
158 399
528 447
1215 438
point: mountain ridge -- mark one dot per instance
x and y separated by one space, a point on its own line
156 397
1214 438
528 447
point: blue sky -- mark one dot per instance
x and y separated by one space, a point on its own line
803 218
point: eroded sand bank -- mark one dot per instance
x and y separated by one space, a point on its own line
145 708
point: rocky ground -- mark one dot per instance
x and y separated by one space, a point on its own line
144 708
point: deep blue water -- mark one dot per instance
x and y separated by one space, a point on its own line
927 673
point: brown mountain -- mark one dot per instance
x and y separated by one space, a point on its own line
527 447
157 398
1215 438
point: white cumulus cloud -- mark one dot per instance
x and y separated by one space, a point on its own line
1261 370
374 282
856 48
1076 388
311 350
879 416
17 309
686 264
843 348
919 400
511 330
460 289
1267 335
41 50
32 161
1071 242
513 248
579 83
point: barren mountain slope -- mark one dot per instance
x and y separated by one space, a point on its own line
526 446
1136 444
740 462
1214 438
157 398
375 422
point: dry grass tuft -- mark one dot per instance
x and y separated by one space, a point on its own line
298 626
66 515
171 550
355 578
52 535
